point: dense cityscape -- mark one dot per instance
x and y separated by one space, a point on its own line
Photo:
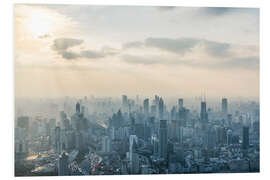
136 135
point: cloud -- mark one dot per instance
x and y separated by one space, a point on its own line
166 8
92 54
251 62
221 11
62 46
69 55
134 44
217 49
181 46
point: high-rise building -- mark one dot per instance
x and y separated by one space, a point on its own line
57 142
245 144
224 106
78 108
180 103
161 108
204 115
106 144
163 139
146 106
63 169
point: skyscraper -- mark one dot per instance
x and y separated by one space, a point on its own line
78 108
180 103
146 106
161 108
163 139
245 144
63 169
224 106
203 115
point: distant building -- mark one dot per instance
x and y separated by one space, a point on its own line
180 103
161 108
245 144
163 139
224 106
146 106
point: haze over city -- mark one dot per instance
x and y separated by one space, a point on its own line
122 90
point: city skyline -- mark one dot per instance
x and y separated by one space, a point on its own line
93 49
123 90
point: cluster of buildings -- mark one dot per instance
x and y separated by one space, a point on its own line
144 137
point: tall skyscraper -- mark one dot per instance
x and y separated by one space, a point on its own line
146 106
161 108
245 144
180 103
224 106
163 139
78 108
203 115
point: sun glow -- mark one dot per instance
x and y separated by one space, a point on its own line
40 23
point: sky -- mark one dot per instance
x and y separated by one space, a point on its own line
80 50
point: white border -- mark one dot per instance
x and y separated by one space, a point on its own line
7 82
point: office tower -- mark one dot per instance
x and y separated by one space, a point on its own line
106 144
204 115
146 106
180 103
163 139
224 106
78 108
180 132
63 169
57 142
182 115
133 156
229 137
245 144
221 135
161 108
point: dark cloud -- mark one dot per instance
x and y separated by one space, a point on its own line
179 46
215 11
221 11
69 55
62 45
166 8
